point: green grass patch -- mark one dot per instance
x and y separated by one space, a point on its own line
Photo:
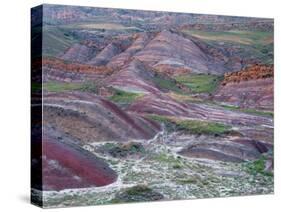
159 118
192 126
234 36
88 87
200 83
258 112
167 84
230 107
249 44
60 86
203 127
124 97
258 167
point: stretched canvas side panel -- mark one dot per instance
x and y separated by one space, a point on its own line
36 106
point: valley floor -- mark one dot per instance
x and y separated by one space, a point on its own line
157 167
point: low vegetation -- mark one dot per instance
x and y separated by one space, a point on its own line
122 150
232 36
202 127
258 44
124 97
200 83
258 112
89 87
61 86
192 126
167 84
258 167
139 193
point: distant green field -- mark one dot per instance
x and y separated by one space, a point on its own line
242 37
200 83
257 44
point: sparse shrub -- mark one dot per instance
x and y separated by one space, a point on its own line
122 150
139 193
258 167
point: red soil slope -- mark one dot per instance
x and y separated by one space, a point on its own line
66 166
